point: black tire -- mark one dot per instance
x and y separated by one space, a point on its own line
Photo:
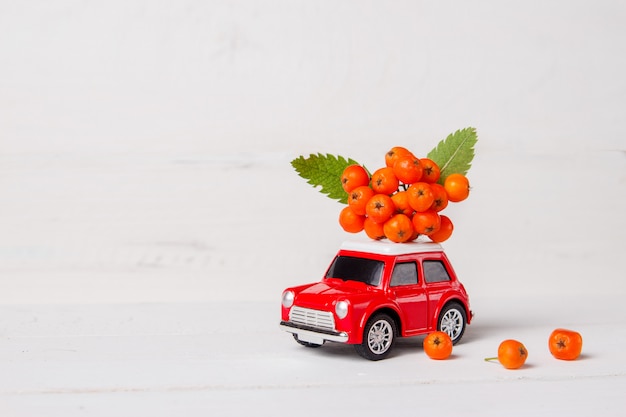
378 337
307 344
453 321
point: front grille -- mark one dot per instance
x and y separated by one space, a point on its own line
313 318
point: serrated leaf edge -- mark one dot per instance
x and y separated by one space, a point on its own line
467 137
324 187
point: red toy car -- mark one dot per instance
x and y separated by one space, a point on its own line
375 291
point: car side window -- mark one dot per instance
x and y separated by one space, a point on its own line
404 273
435 271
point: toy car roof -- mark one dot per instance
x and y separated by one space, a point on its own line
385 247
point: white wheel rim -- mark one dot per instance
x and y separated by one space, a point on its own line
452 323
380 337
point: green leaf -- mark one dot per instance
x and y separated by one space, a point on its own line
324 171
455 153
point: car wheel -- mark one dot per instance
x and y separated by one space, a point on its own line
452 321
378 337
307 344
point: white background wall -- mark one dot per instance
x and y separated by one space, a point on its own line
145 145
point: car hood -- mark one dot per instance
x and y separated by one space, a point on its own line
326 292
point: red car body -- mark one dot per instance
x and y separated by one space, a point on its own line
375 291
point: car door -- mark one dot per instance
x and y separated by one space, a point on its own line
406 287
436 281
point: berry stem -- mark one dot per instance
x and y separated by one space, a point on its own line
491 359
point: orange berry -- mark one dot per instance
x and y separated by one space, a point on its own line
512 354
438 345
457 187
350 221
384 181
358 198
394 153
398 228
565 344
401 201
408 169
354 176
380 208
373 230
426 222
445 230
440 197
430 170
421 196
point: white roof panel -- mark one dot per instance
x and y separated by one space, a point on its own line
386 247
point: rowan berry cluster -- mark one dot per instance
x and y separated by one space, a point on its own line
401 200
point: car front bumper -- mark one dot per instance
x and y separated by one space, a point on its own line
312 334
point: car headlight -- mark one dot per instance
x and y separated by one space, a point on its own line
341 309
288 297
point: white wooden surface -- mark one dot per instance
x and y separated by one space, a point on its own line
149 217
230 359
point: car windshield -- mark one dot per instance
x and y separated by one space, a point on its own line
364 270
